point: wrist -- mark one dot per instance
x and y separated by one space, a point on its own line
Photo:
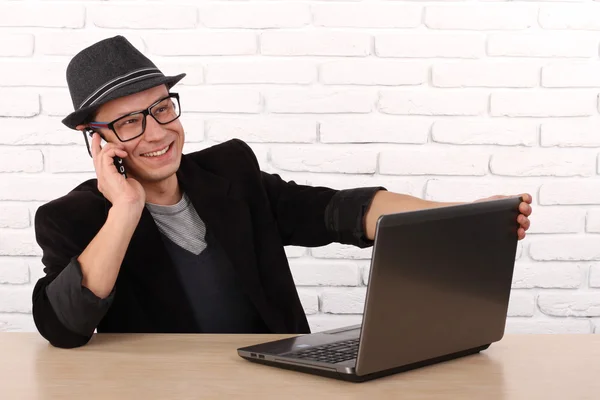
126 211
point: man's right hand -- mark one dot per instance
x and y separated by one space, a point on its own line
118 190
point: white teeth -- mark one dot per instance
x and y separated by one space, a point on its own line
156 153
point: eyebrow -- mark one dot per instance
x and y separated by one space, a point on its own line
131 112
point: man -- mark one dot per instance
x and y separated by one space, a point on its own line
190 243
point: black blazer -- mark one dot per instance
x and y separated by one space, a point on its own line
253 215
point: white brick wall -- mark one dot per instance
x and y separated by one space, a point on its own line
445 100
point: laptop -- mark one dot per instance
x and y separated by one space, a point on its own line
439 286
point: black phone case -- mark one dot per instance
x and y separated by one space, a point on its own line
118 161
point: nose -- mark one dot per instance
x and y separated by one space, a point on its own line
154 131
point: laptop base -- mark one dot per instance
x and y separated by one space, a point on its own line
357 379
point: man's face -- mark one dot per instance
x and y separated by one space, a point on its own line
145 160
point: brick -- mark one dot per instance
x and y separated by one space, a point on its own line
572 16
351 160
64 43
319 100
563 44
42 14
262 130
193 126
376 15
570 304
481 16
17 103
341 251
502 132
41 130
14 159
221 99
325 322
557 220
594 279
295 251
194 70
33 73
433 162
56 102
38 187
16 44
368 129
565 248
430 45
570 193
202 43
309 300
13 270
548 275
564 326
485 74
15 299
460 190
570 133
270 71
571 75
535 162
255 15
366 274
592 221
68 159
543 104
521 304
343 300
36 269
17 323
14 215
315 43
406 185
17 242
373 72
432 102
132 16
319 273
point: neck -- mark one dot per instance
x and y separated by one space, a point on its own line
165 193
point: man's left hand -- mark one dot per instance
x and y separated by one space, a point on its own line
523 218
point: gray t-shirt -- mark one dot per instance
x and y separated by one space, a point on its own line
181 224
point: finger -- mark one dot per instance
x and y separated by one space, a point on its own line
96 148
524 222
521 234
527 198
108 154
525 209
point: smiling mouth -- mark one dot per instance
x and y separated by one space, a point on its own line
157 153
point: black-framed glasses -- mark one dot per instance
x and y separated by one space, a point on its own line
133 125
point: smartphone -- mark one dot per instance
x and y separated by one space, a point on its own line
117 161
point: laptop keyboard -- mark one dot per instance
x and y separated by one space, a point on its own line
330 353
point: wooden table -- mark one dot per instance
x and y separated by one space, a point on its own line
565 367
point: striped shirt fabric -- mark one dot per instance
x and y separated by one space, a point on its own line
181 224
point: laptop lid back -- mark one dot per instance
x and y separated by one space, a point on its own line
439 283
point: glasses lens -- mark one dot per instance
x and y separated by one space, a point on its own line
166 111
129 126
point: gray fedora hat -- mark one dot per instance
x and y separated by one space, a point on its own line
109 69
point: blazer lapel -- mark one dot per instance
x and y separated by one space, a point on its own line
230 221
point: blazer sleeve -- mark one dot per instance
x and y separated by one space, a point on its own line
316 216
65 312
